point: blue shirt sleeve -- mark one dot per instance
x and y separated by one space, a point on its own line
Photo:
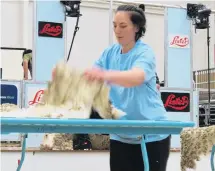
146 61
101 62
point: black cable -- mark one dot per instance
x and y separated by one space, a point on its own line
208 48
75 31
0 73
10 48
72 9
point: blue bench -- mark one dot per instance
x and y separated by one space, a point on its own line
97 126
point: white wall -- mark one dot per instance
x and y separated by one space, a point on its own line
80 161
93 35
15 34
11 36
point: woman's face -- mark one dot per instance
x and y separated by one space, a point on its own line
124 29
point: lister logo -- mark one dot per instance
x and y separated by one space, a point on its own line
50 29
176 102
179 41
37 97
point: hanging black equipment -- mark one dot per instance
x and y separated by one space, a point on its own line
72 9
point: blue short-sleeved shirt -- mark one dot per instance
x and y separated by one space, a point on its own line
141 102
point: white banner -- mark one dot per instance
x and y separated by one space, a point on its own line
179 41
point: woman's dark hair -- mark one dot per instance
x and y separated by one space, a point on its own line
137 17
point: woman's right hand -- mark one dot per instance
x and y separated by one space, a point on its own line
95 74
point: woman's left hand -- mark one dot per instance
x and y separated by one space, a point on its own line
95 74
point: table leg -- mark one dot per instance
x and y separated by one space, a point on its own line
212 158
145 155
23 152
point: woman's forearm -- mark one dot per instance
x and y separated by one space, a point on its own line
25 67
127 79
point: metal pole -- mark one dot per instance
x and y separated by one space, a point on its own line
34 44
25 23
192 116
209 87
111 23
196 83
0 73
166 42
12 48
150 4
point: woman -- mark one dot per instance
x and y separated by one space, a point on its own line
129 68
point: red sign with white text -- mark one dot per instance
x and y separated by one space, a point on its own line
179 41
